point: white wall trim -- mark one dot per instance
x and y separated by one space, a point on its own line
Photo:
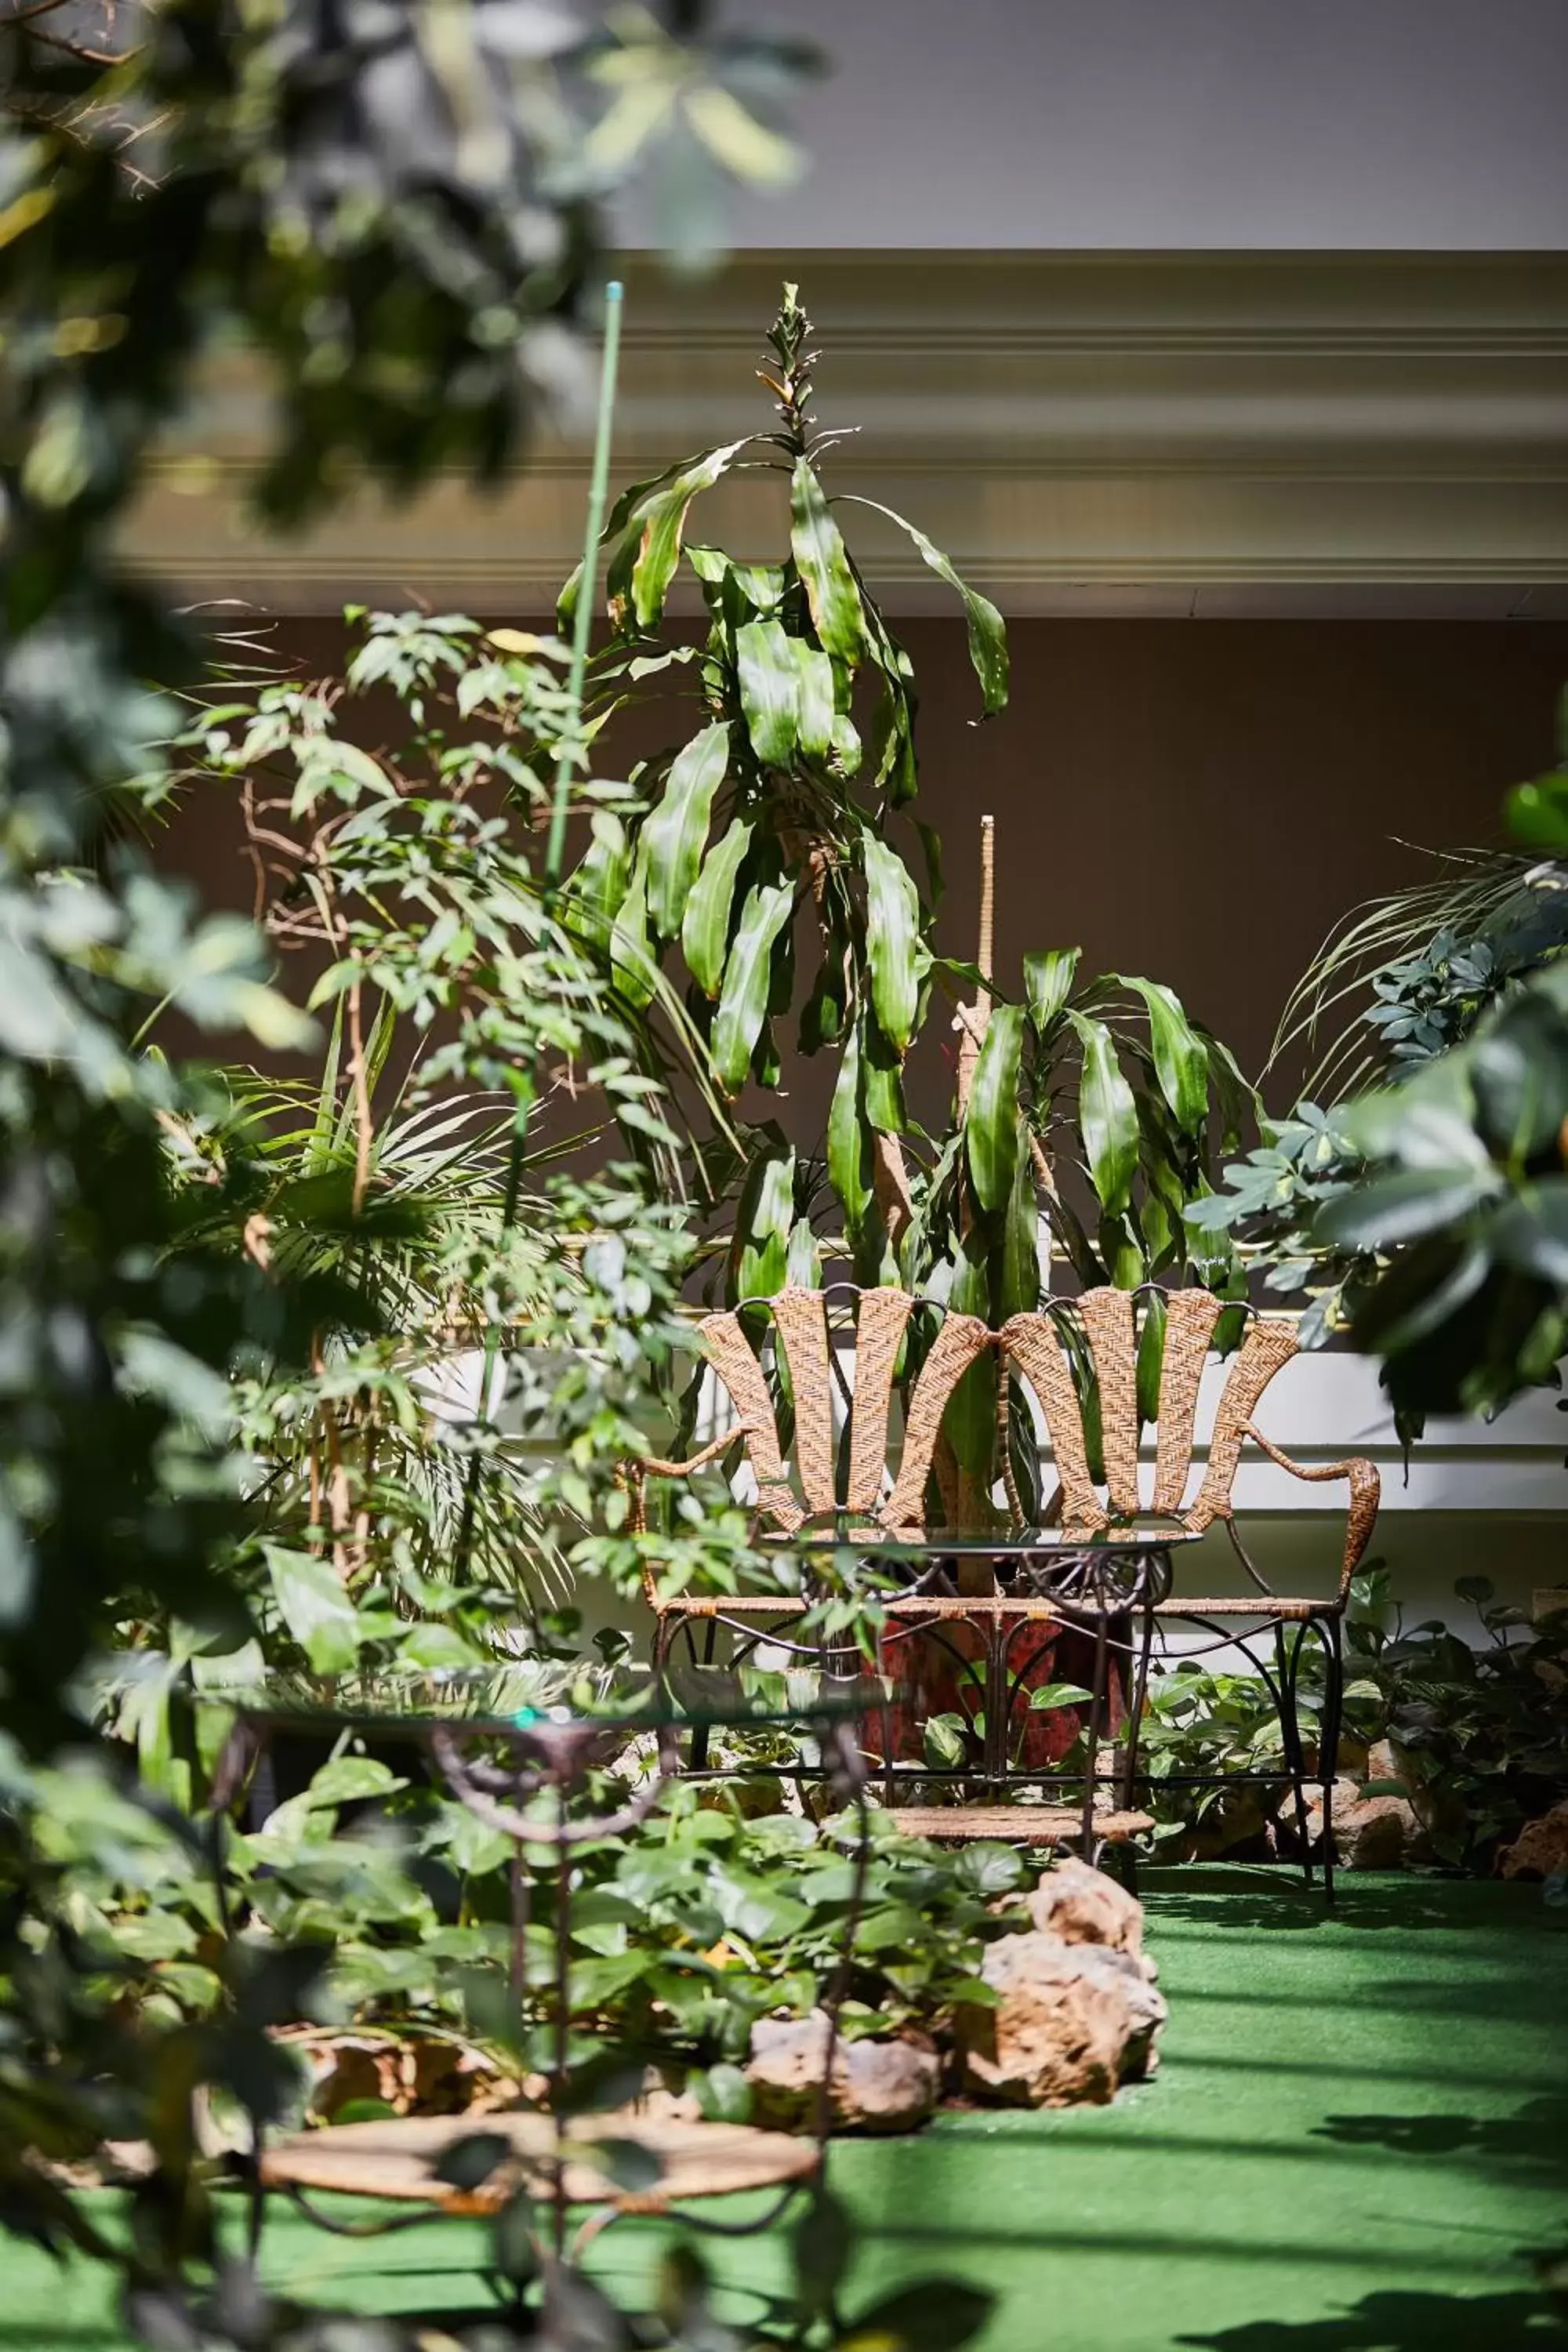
1105 432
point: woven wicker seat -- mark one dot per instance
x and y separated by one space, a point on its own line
1107 1327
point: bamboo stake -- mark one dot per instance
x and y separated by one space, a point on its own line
571 751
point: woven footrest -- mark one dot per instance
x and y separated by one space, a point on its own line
1023 1824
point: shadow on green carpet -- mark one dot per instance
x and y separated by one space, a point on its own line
1353 2135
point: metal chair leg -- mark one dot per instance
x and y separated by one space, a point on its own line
1330 1634
1287 1660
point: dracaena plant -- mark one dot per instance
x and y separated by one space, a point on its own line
1091 1117
776 828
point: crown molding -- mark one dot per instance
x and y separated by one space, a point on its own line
1104 427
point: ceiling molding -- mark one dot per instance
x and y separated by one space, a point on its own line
1060 422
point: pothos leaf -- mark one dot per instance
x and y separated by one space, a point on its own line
1181 1059
315 1606
674 832
743 999
770 690
991 1122
987 630
1108 1115
894 947
824 566
705 925
1047 984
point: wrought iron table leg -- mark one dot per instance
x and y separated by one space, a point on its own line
1092 1741
998 1641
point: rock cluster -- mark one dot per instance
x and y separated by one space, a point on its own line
1077 2013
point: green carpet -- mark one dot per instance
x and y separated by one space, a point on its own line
1358 2137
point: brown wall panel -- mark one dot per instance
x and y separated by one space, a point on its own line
1196 802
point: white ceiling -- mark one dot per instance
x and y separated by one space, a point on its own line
1290 124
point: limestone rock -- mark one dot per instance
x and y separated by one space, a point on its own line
1369 1832
1072 2023
1540 1847
879 2084
1082 1905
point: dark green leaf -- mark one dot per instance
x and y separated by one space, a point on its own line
631 947
747 977
1108 1115
894 948
1181 1059
849 1140
468 2163
818 719
1531 1232
988 629
1391 1210
991 1123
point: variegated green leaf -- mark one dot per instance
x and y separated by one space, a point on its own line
674 835
770 690
705 925
824 566
1047 984
817 719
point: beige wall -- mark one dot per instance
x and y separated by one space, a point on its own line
1193 801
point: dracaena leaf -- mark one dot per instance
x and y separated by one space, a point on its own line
824 566
770 690
849 1140
1181 1058
991 1122
743 999
987 630
1108 1115
705 924
1048 983
894 948
674 832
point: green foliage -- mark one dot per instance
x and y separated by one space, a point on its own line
1479 1733
371 202
773 826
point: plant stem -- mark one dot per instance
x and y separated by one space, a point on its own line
582 618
